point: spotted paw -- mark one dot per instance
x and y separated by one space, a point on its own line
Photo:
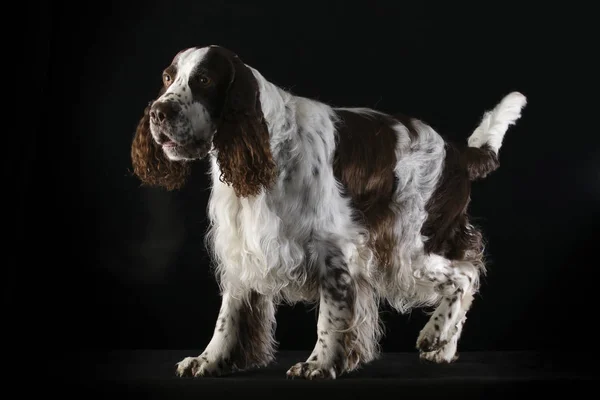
432 337
201 366
310 370
443 355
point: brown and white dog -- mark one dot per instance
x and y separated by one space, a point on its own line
340 207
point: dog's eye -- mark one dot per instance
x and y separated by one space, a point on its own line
166 79
204 80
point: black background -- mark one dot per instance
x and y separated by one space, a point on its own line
105 263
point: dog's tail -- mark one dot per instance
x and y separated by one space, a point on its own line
485 142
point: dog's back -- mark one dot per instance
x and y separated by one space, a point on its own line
411 188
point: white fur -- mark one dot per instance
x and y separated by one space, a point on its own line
260 243
496 122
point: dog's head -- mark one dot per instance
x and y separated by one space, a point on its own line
209 98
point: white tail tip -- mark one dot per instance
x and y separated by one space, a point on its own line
496 122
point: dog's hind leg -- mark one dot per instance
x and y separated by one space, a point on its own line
456 283
448 352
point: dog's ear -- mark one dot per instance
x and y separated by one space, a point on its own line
242 139
150 164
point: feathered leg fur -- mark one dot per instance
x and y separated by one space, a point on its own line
243 338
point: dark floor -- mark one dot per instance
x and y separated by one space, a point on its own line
151 374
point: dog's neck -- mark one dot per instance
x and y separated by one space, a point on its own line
281 108
278 107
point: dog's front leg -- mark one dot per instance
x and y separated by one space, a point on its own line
243 338
332 354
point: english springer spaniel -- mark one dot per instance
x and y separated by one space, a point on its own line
344 208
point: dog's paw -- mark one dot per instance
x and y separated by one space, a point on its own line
444 355
202 366
311 370
433 336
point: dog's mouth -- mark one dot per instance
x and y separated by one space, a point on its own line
194 149
169 144
165 141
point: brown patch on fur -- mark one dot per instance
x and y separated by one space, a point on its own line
255 333
447 226
150 163
480 161
242 139
364 162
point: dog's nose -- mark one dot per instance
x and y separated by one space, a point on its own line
162 111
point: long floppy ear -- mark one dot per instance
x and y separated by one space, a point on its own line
242 139
149 161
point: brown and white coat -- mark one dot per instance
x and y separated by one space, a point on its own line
344 208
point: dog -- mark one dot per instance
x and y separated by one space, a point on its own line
343 208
